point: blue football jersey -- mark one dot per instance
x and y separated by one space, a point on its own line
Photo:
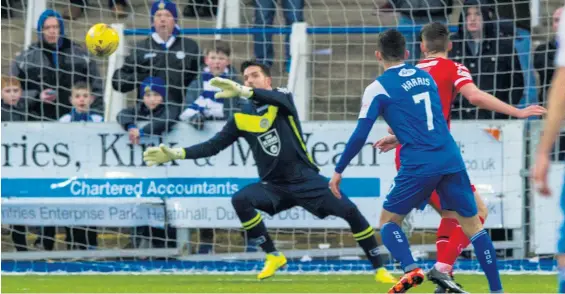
408 99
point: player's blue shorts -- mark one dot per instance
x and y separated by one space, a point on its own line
561 242
408 192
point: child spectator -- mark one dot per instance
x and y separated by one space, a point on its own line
152 94
200 99
13 107
81 99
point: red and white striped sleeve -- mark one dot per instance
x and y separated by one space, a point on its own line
461 77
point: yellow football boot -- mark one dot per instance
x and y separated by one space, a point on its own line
383 276
272 264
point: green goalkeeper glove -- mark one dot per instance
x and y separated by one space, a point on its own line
157 155
230 89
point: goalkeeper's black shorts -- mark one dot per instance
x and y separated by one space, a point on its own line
312 193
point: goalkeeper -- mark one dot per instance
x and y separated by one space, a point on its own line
288 175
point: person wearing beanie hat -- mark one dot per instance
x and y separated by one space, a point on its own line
152 94
164 54
152 84
166 5
164 26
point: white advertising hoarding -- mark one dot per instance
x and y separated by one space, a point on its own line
78 163
547 213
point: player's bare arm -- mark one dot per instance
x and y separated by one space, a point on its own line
485 100
556 114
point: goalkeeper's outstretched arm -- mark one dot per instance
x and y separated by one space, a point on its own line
275 98
220 141
487 101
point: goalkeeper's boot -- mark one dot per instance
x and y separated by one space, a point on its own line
272 264
410 279
445 281
384 276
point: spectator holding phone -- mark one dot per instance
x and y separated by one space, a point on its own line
50 67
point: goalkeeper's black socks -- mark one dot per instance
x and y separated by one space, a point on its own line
256 231
252 222
364 234
371 249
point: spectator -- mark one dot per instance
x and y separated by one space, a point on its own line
151 108
293 11
81 99
493 62
544 58
517 30
13 106
200 99
164 54
201 104
418 13
51 66
13 109
77 7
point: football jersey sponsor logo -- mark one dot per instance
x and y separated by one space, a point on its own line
406 72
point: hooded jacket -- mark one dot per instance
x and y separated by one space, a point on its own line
495 68
56 66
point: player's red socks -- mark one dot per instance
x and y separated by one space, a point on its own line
457 242
446 228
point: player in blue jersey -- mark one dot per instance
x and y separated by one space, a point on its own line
408 100
555 116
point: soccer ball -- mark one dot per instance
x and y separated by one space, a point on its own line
102 40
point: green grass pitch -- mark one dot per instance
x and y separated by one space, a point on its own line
296 283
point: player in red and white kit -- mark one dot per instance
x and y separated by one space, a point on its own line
452 78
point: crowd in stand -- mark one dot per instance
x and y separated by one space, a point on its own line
55 79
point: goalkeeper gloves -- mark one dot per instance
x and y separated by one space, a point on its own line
157 155
230 89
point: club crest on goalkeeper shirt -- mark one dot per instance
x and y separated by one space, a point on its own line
270 142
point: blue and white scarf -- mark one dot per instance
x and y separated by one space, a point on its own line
75 116
206 104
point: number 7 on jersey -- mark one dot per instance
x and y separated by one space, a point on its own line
428 106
